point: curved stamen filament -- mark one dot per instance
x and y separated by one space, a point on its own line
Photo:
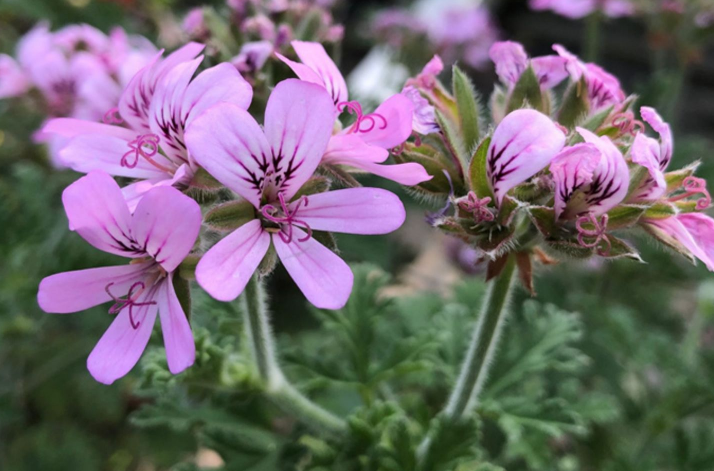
286 218
112 117
627 123
128 301
597 234
146 146
477 207
695 186
353 107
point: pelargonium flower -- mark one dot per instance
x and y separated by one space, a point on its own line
267 167
654 155
365 143
604 89
252 56
581 8
13 81
523 144
511 61
157 238
694 231
589 178
154 110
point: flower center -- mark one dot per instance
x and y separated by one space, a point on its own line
129 300
695 186
627 123
596 235
477 207
112 117
353 107
286 219
146 146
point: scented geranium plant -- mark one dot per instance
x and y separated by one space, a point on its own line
208 192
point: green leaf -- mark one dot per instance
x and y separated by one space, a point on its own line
467 104
575 105
230 216
624 216
526 92
478 180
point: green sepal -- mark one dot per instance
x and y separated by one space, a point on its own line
638 176
543 218
594 122
526 92
467 103
624 216
316 184
496 240
575 104
620 249
182 287
669 241
435 163
675 179
660 210
269 262
453 139
230 216
507 210
478 180
570 248
204 181
187 269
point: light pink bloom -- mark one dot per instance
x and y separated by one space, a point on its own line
464 33
157 106
252 56
511 61
581 8
194 24
523 144
267 167
157 238
695 231
654 155
365 144
426 80
13 81
589 178
424 120
604 89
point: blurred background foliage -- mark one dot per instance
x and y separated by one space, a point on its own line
611 367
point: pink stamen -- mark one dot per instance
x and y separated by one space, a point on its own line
129 300
353 107
627 123
597 233
146 146
112 117
287 219
695 186
477 207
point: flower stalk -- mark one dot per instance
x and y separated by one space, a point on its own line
277 387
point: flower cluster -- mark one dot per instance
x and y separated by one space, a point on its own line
178 132
78 71
565 179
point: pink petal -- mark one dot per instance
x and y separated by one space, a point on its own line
572 169
675 228
70 127
392 123
299 118
350 148
701 228
303 72
226 268
166 223
76 291
353 211
510 59
604 89
550 70
96 209
121 346
136 99
523 144
178 338
645 151
219 84
611 178
424 120
90 152
13 81
665 134
323 277
133 192
315 57
231 146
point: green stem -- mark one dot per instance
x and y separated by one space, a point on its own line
479 356
592 37
278 388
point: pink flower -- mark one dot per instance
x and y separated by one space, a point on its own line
523 144
464 32
424 120
603 88
267 167
365 144
589 178
581 8
694 231
193 23
252 56
427 78
13 81
654 155
157 238
511 61
156 107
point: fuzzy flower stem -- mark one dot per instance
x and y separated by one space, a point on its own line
277 387
478 360
592 36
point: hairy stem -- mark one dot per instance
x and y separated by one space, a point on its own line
592 36
278 388
479 355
